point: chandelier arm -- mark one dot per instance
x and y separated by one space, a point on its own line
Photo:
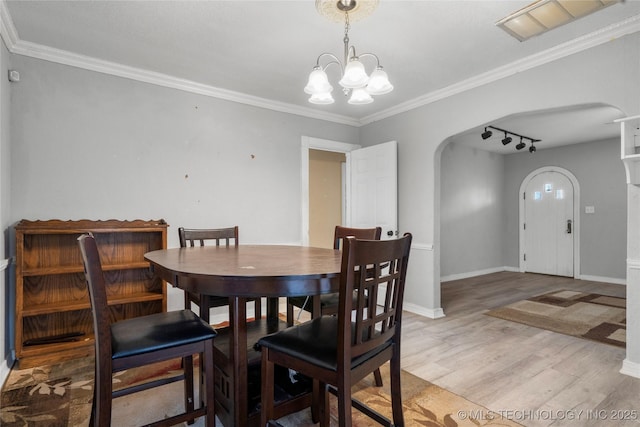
335 61
362 55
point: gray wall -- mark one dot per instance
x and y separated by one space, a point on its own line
5 214
87 145
580 78
94 146
471 210
480 207
601 176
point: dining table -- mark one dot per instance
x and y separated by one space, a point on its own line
242 272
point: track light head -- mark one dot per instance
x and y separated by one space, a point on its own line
520 145
532 149
486 134
506 140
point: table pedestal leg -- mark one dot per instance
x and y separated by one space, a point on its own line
238 349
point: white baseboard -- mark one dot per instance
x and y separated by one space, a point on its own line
469 274
630 368
431 313
602 279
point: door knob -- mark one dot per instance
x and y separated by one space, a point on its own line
568 226
389 233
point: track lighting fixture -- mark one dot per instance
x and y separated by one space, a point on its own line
507 138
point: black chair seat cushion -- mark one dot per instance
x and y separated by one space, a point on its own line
314 342
157 331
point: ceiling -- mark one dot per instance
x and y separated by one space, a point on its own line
261 52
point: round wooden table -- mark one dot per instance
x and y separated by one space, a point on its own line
239 273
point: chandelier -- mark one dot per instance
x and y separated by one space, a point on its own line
354 79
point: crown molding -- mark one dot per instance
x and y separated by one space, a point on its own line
19 47
46 53
604 35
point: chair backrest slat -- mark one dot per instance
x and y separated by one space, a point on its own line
226 236
367 264
341 232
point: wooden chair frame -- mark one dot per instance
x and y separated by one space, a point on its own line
106 365
362 345
221 236
318 305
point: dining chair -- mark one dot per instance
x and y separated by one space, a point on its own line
141 341
340 350
328 303
319 305
218 236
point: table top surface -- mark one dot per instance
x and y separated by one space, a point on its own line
248 261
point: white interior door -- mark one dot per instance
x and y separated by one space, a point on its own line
549 224
373 194
373 188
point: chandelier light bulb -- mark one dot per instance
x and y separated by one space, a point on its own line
379 82
360 96
318 82
354 75
323 98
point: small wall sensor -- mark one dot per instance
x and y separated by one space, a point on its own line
14 76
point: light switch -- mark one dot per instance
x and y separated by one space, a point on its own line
589 209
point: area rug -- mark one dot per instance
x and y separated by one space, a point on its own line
60 395
595 317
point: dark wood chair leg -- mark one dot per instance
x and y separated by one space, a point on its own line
102 396
267 388
316 402
187 366
289 314
323 406
396 390
344 404
258 309
204 308
378 377
206 368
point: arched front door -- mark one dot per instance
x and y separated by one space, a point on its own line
548 221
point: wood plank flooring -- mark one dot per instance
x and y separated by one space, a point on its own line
532 376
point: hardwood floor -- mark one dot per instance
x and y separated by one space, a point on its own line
532 376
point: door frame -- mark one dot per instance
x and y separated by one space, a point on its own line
576 215
310 143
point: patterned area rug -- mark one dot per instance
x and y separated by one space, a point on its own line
596 317
60 395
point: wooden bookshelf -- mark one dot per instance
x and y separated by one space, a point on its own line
53 313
